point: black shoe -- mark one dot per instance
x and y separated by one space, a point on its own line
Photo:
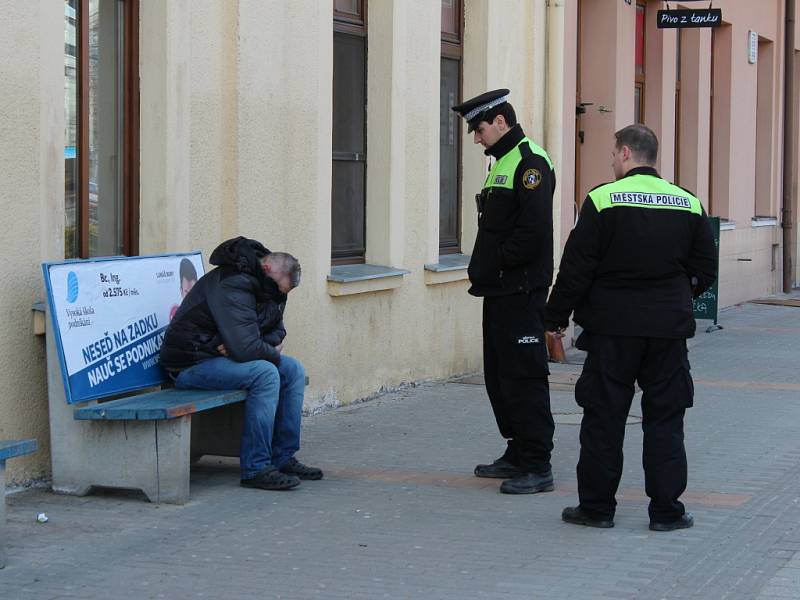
499 469
271 479
295 467
577 516
528 483
685 521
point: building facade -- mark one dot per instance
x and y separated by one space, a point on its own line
323 129
715 98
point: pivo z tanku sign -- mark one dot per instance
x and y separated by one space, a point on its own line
109 316
682 18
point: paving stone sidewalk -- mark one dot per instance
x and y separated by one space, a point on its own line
399 514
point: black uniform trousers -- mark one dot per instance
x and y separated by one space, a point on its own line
515 370
605 390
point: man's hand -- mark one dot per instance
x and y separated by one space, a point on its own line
221 349
555 349
279 347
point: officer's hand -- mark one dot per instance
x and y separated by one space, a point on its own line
221 349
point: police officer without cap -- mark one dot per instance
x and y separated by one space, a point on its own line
512 268
641 249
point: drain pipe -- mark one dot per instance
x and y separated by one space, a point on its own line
789 160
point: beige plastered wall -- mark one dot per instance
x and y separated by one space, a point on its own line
235 104
502 52
236 140
530 55
31 213
560 124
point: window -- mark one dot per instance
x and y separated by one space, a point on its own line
638 92
764 205
720 192
348 220
449 127
101 101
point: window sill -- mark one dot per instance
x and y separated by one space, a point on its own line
727 225
39 322
345 280
764 222
451 267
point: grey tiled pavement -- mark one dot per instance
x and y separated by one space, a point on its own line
399 514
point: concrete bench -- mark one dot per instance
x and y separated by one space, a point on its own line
145 441
9 449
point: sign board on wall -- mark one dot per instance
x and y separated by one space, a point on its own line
706 306
689 17
752 47
109 317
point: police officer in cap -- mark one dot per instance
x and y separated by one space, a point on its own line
512 268
641 249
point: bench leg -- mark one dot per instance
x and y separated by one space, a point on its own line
174 440
152 456
2 514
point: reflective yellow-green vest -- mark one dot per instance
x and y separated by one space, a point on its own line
644 191
502 172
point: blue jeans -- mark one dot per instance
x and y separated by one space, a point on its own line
273 407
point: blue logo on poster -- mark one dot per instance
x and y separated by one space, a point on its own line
72 287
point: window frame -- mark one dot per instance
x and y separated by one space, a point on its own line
452 44
452 48
130 128
678 114
352 25
640 76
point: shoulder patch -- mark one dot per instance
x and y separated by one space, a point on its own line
531 179
500 179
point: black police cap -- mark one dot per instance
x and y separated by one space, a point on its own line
474 109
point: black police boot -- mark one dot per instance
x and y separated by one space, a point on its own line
529 483
685 521
499 469
577 516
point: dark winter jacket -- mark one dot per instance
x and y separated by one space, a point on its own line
513 251
236 304
642 247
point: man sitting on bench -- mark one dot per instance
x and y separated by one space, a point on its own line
228 334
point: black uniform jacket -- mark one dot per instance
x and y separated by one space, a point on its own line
633 271
513 251
236 304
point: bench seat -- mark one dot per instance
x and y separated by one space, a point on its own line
147 439
155 406
12 448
